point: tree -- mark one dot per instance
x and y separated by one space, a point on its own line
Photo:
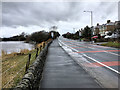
20 37
38 37
71 35
87 32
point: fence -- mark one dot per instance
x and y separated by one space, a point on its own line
30 56
33 75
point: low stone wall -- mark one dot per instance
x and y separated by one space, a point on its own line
32 78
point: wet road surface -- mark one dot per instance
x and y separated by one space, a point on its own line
61 71
107 55
102 62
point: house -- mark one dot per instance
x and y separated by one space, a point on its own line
117 24
110 26
117 27
96 29
102 29
105 28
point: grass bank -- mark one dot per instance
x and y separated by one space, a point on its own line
14 64
112 44
13 68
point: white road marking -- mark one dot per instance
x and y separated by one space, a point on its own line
92 58
102 64
99 49
112 53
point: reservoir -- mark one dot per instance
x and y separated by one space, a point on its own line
14 46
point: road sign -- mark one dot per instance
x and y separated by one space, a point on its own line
79 33
52 34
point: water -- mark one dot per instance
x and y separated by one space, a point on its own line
14 46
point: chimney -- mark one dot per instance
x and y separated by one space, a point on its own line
97 24
108 21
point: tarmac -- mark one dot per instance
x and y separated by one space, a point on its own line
61 71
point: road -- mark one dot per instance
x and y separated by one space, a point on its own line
101 62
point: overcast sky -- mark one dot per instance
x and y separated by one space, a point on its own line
18 17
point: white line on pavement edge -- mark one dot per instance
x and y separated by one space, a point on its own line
91 58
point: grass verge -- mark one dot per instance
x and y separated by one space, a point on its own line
112 44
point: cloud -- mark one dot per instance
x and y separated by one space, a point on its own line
21 13
12 31
119 11
66 15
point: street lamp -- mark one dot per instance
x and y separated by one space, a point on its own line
91 17
91 12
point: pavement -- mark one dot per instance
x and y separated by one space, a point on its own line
61 71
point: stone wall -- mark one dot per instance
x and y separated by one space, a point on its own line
32 78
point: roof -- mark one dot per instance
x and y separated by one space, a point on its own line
110 23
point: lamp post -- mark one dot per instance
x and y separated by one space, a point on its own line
91 12
91 17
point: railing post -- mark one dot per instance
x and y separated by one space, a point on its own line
37 52
43 44
28 62
40 48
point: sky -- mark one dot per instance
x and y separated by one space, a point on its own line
29 17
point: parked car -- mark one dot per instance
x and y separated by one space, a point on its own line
112 36
107 36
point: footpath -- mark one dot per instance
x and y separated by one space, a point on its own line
61 71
